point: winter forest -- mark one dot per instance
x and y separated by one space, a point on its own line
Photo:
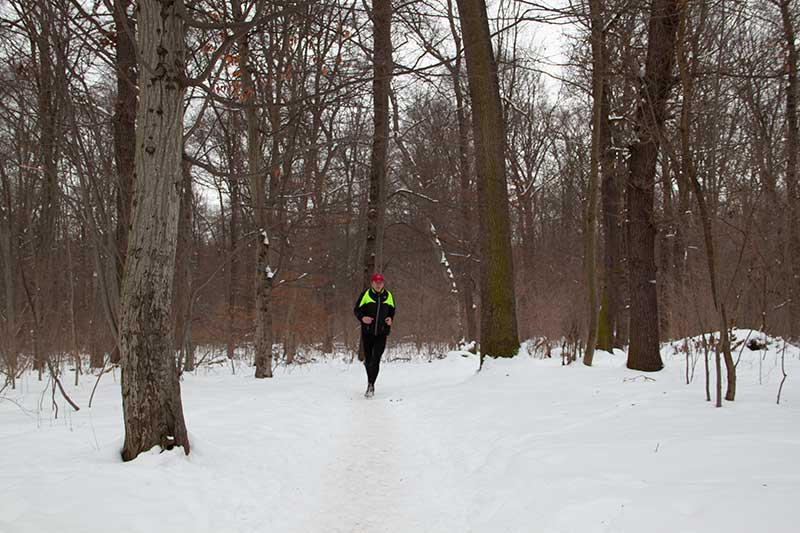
587 212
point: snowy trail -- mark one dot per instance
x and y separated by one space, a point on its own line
525 445
366 477
381 474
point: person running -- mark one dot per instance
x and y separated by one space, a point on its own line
374 310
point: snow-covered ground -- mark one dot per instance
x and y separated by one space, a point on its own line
524 445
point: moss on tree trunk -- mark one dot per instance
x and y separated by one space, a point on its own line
498 334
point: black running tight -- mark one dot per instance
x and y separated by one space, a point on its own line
373 350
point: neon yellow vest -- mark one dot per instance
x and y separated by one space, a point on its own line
367 299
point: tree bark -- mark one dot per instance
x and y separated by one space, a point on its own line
233 240
182 308
7 249
151 398
381 86
49 202
97 358
792 145
643 353
264 275
498 333
70 279
610 332
599 142
465 189
124 150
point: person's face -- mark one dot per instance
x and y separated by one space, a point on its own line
377 286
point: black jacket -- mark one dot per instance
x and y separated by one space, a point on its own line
377 305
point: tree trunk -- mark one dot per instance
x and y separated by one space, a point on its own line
97 358
328 295
124 149
70 279
792 145
498 334
381 86
643 353
9 289
611 325
151 398
465 189
665 261
688 171
264 275
49 203
182 308
233 244
599 142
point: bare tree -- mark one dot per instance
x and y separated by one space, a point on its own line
124 150
263 273
381 87
151 398
599 142
656 82
498 333
792 146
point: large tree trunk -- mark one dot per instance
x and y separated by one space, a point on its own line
381 86
263 281
599 142
612 302
498 335
124 148
49 202
151 398
792 146
643 353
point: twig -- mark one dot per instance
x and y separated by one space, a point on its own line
783 369
744 344
21 407
97 382
644 378
53 398
202 359
58 382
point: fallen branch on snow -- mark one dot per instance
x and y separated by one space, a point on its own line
643 377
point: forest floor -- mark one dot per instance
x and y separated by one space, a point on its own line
525 445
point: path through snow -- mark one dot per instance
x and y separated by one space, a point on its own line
523 446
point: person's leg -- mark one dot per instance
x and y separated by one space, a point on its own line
379 344
368 342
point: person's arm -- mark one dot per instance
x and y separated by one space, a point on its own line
390 312
357 308
360 315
